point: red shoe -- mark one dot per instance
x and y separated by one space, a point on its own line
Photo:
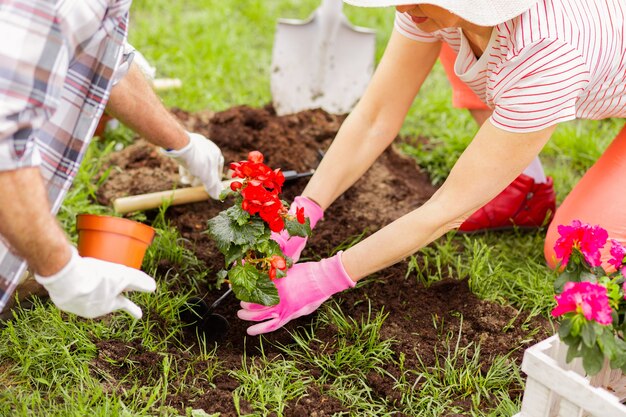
523 204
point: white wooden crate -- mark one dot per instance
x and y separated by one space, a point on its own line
555 388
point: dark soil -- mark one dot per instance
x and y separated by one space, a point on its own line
393 186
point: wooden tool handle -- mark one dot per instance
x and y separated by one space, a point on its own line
161 84
153 200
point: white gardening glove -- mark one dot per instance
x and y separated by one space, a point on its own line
201 163
90 287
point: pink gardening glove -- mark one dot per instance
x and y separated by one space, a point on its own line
302 291
293 246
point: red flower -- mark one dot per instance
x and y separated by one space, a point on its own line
277 224
255 156
278 262
258 174
235 185
300 215
258 198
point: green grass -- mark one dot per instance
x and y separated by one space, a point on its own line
221 51
268 384
458 374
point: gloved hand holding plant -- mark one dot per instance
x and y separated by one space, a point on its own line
306 286
292 246
243 232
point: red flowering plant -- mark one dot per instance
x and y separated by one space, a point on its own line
243 231
590 300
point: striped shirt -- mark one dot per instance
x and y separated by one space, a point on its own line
58 59
558 61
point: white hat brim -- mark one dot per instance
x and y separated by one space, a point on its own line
479 12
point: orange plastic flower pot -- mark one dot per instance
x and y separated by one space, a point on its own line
113 239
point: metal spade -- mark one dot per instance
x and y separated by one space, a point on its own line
321 62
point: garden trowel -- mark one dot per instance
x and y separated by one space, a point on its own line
186 195
321 62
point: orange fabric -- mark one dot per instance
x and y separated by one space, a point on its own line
462 96
599 198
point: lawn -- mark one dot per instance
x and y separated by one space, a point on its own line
55 364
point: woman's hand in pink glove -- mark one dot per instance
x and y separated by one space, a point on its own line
293 246
302 291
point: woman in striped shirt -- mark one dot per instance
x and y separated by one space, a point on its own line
535 63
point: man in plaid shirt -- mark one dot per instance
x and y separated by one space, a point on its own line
59 61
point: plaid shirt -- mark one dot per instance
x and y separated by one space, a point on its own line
58 60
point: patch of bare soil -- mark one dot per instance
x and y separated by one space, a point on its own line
418 318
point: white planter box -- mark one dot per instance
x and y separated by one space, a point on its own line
557 389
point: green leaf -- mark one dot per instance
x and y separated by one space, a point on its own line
606 340
578 321
619 361
593 359
621 344
225 193
619 355
571 340
295 228
265 292
268 248
238 215
588 334
598 271
588 277
561 280
251 285
573 351
614 291
221 277
251 232
565 327
243 278
219 228
234 253
226 231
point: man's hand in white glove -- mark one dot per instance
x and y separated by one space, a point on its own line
90 287
201 163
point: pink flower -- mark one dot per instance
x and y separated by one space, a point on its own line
617 253
588 298
588 239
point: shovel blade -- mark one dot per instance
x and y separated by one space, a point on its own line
311 69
